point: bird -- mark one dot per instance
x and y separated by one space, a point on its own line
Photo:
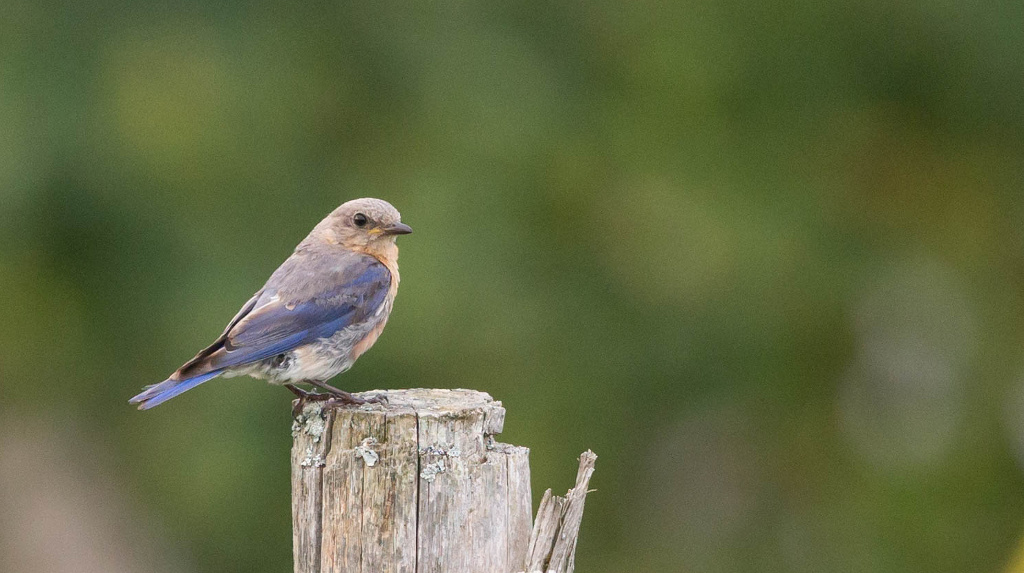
317 313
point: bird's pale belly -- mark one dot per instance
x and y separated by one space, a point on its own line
320 360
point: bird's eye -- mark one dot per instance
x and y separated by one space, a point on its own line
360 220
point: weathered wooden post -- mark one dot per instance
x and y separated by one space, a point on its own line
416 486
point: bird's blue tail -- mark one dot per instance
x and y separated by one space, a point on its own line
159 393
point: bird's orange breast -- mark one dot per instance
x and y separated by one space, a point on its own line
371 337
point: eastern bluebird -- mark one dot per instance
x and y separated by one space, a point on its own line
319 311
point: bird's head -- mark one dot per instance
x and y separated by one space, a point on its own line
367 224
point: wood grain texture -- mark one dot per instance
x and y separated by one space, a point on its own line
310 434
418 485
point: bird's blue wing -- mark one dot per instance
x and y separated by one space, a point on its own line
284 318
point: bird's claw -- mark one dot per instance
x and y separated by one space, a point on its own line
381 399
348 399
299 404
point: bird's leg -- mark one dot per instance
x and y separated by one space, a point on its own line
340 396
337 393
304 396
299 392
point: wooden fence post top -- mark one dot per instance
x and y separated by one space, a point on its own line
417 484
440 402
433 398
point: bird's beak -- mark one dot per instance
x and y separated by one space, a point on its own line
398 229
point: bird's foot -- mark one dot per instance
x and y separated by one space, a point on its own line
344 398
304 397
381 399
339 397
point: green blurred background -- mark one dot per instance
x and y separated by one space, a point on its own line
766 259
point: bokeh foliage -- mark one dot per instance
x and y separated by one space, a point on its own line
764 259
